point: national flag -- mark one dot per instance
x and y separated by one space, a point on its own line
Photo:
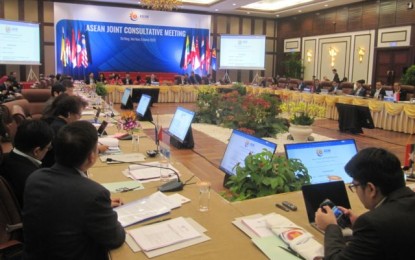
78 51
192 52
73 49
202 54
185 54
196 56
409 155
188 53
160 134
208 55
63 49
68 51
84 53
214 58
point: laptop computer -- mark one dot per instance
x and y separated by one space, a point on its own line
239 147
315 194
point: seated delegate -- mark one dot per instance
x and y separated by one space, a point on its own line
66 215
26 155
386 231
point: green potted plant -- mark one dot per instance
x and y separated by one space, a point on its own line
301 117
294 67
409 77
100 89
265 174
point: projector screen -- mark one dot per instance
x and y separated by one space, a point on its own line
242 52
20 43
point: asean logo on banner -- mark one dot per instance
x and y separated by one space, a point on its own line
133 16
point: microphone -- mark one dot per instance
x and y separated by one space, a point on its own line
174 185
156 137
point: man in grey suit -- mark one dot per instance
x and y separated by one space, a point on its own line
66 215
387 230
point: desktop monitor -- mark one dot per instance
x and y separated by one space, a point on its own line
239 147
143 110
325 160
180 129
126 99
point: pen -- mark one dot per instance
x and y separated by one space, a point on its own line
158 221
289 250
130 189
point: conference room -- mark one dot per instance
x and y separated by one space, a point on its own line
235 42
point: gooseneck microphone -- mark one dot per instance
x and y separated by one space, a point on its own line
174 185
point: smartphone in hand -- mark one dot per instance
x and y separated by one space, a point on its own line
342 220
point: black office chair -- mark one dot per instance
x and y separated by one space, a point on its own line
11 236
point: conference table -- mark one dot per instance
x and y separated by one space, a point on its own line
227 241
398 117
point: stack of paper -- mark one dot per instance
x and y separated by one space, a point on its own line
282 233
166 236
112 143
149 172
152 206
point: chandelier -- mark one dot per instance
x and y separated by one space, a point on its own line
162 5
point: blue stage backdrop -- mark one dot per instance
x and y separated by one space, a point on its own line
84 46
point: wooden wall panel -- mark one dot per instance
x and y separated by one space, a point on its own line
330 22
307 24
342 17
370 15
387 13
403 14
318 27
355 18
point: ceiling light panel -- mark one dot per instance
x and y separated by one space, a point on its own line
274 5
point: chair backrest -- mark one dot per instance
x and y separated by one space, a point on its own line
10 213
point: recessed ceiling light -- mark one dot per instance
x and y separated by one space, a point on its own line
299 11
234 4
216 10
277 15
326 5
248 12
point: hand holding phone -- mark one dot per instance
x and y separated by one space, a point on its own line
342 220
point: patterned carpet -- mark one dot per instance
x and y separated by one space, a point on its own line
222 134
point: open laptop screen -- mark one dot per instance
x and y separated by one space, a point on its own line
181 122
315 194
324 160
241 145
125 96
143 105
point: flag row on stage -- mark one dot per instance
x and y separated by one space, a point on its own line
197 54
74 49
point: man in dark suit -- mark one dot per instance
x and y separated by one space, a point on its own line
195 79
360 90
32 140
66 215
334 88
127 80
183 80
387 230
91 79
335 76
378 91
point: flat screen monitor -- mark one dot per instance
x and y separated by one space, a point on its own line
143 111
180 128
125 100
325 160
20 43
239 147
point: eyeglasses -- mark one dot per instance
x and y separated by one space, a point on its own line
352 186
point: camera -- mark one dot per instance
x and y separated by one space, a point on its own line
342 220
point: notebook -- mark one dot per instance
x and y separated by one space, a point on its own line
314 194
